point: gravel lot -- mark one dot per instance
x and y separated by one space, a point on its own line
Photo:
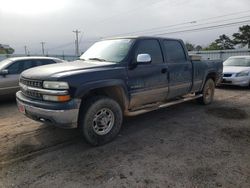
187 145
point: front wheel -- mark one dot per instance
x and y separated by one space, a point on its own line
100 120
207 92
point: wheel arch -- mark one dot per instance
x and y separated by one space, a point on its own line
114 89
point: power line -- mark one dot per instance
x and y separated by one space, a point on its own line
204 28
207 23
183 23
62 46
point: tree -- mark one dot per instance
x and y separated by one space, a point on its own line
10 50
213 46
6 49
224 42
243 36
198 48
189 46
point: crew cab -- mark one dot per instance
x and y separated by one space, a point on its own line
114 78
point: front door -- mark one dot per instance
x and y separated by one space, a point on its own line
9 84
148 82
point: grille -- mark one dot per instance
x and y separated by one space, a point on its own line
31 83
32 94
227 75
34 84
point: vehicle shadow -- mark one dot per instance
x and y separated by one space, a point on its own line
229 87
50 138
7 99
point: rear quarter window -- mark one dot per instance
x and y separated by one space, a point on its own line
174 51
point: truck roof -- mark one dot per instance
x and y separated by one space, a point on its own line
140 37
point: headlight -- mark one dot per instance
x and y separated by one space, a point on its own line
243 73
55 85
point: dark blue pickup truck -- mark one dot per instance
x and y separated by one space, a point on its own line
116 77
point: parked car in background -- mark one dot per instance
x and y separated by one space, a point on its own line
236 71
11 68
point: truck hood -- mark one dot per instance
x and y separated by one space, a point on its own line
234 69
60 69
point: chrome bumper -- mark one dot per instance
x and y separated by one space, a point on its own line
60 118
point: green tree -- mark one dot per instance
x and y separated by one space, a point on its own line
213 46
10 50
6 50
189 46
198 47
224 42
243 36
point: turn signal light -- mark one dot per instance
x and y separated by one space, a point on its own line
60 98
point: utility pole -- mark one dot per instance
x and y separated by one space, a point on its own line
25 50
42 43
77 42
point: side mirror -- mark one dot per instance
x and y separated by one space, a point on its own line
143 58
4 72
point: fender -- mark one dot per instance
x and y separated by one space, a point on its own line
89 86
211 71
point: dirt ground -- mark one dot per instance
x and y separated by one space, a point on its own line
187 145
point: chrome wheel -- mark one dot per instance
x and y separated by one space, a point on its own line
103 121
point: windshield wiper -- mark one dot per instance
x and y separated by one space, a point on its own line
97 59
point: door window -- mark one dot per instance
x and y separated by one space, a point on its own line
19 66
151 47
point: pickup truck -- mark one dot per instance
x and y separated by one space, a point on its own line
115 78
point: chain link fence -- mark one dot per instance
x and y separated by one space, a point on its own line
221 54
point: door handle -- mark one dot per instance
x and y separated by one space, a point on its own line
164 70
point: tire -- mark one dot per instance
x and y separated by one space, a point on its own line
100 120
207 92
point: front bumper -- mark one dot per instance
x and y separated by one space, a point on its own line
61 115
237 81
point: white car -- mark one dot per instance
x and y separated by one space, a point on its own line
236 71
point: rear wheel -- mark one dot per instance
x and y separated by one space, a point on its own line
100 120
207 92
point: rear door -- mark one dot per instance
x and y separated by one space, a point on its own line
179 67
148 82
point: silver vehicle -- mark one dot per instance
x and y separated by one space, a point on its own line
236 71
11 68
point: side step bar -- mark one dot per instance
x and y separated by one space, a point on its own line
164 105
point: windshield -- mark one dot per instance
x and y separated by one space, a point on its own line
242 62
108 50
4 63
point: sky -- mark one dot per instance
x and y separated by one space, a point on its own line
30 22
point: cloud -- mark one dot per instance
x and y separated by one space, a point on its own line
98 18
